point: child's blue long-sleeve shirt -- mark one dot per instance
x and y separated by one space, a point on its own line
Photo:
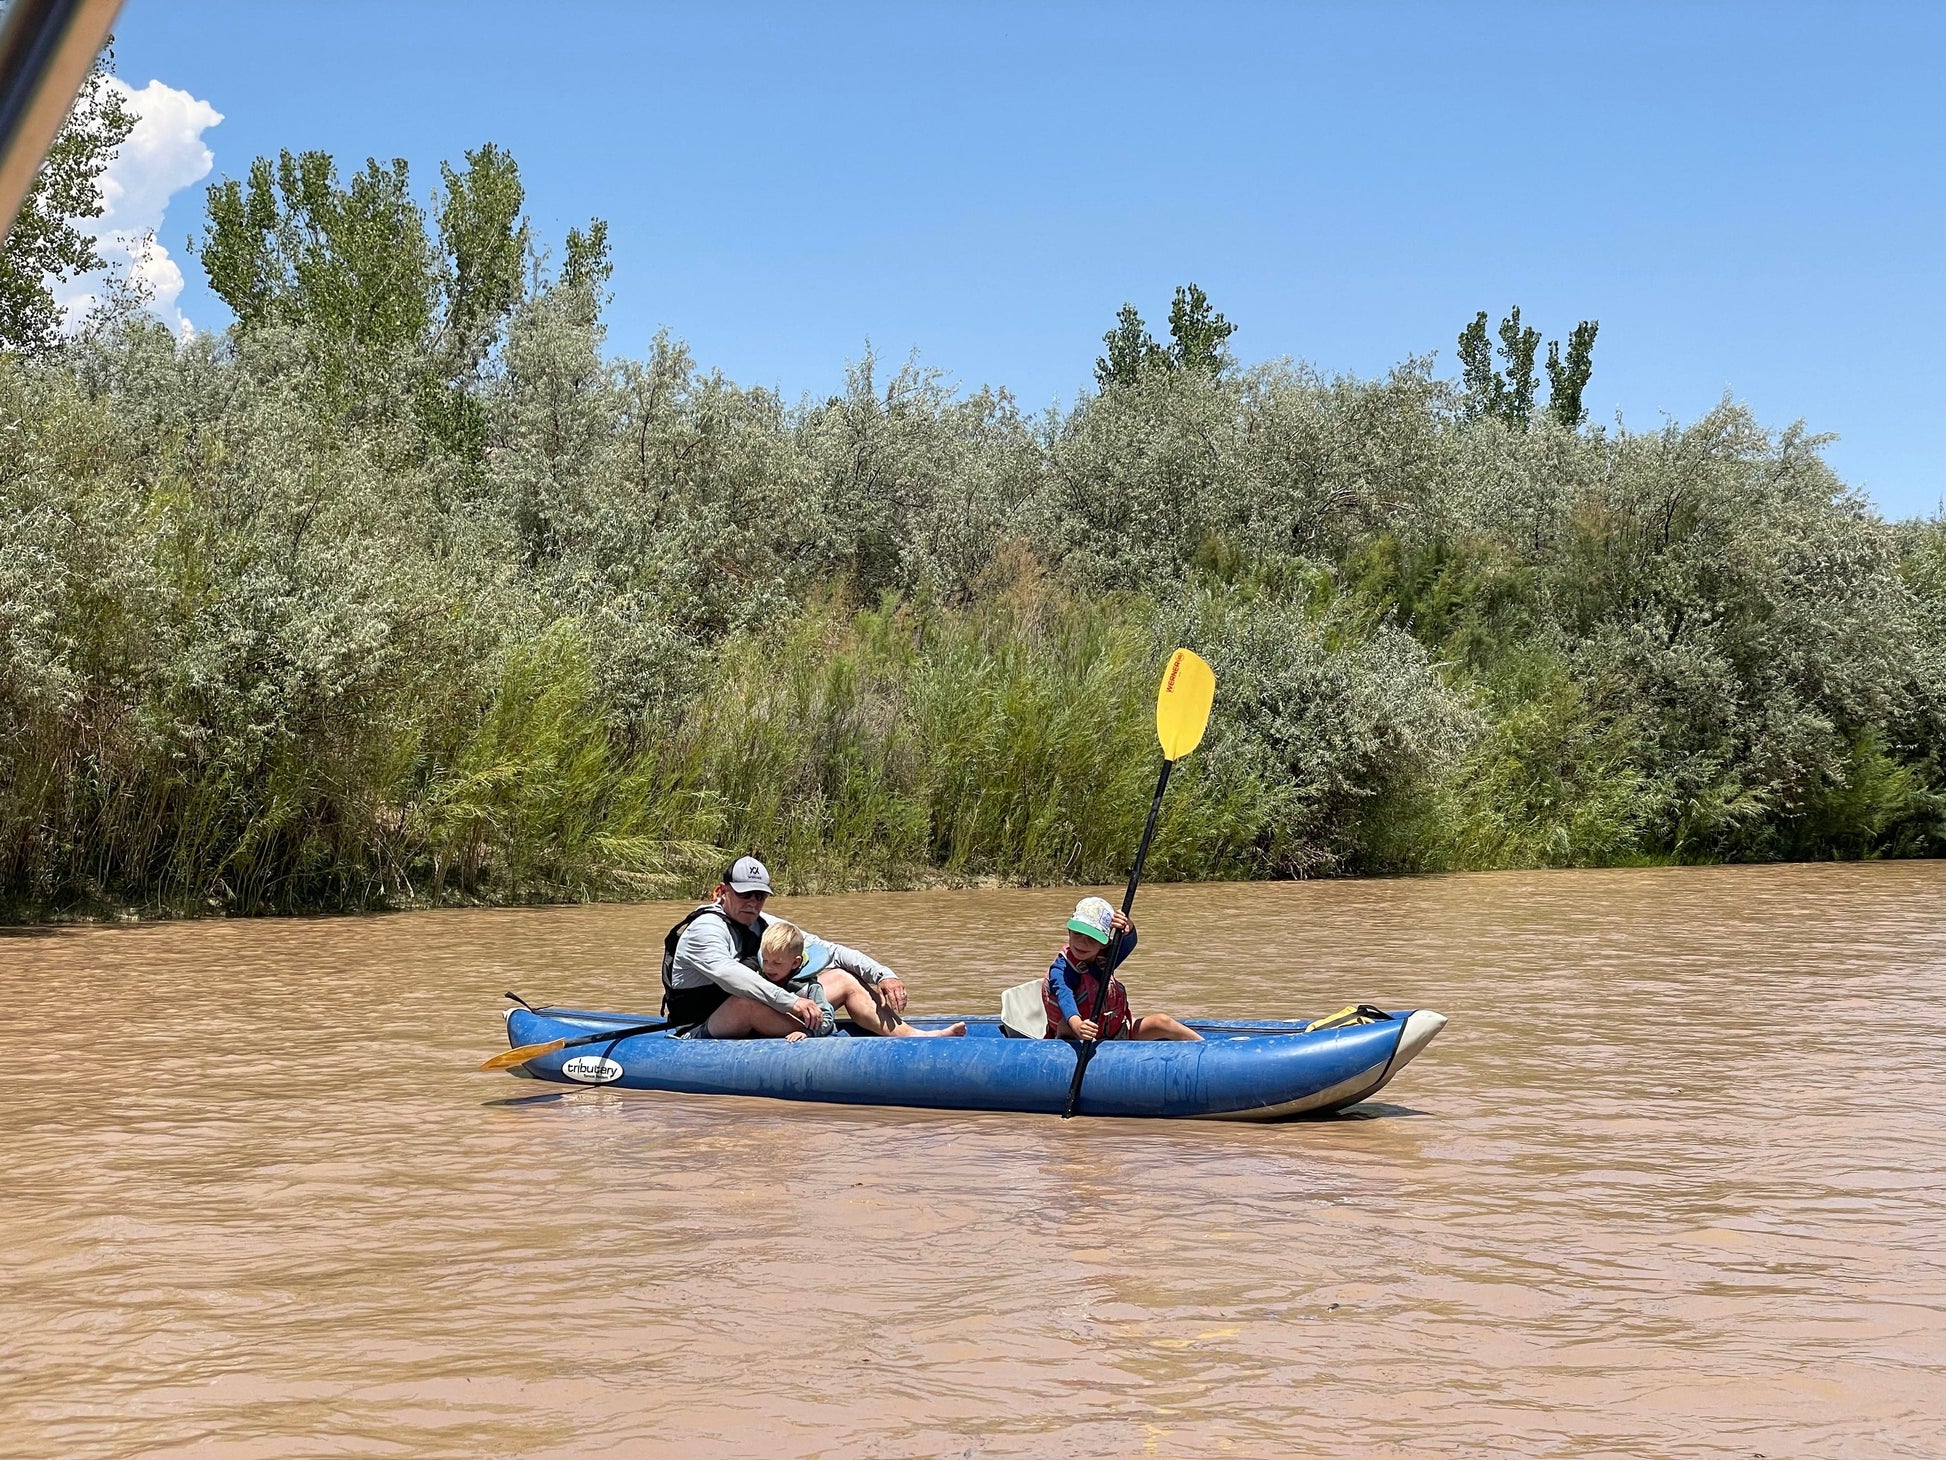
1064 978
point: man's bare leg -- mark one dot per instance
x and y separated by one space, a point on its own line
848 994
748 1019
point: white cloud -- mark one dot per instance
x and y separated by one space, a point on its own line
161 157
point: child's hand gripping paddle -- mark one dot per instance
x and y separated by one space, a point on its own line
1182 708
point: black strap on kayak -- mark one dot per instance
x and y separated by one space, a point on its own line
613 1037
510 994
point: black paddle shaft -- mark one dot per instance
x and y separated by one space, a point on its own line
599 1035
608 1036
1142 852
1087 1050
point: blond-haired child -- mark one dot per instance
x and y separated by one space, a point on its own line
831 987
782 955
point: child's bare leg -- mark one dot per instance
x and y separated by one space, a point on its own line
748 1019
895 1023
848 994
951 1031
1161 1026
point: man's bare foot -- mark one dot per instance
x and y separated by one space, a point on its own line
951 1031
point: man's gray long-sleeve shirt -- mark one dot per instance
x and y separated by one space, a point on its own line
706 953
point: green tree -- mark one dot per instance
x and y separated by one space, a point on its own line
1198 341
1199 337
351 263
486 241
1566 381
1507 394
1517 347
47 244
1486 395
362 269
586 270
1131 350
379 288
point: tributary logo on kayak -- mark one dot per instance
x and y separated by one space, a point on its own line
591 1069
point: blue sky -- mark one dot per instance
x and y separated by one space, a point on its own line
1751 198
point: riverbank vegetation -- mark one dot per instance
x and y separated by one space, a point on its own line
404 590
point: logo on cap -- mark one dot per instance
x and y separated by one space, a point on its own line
747 874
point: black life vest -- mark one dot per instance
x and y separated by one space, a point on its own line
686 1007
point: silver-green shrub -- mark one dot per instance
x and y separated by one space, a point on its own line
277 631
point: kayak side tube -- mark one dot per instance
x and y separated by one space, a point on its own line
1242 1070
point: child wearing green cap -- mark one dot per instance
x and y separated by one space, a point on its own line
1099 938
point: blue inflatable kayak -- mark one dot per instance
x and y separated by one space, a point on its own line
1243 1069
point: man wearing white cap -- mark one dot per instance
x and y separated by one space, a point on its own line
712 971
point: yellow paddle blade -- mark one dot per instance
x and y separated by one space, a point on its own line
1182 704
520 1056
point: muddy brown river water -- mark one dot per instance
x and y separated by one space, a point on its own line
1673 1183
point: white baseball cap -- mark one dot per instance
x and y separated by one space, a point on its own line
747 875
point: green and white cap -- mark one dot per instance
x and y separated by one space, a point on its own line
1093 918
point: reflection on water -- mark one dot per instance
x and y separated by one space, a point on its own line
1672 1183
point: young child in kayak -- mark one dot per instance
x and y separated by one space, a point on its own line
782 955
1099 938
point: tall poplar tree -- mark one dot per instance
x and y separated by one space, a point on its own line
1567 379
1506 394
